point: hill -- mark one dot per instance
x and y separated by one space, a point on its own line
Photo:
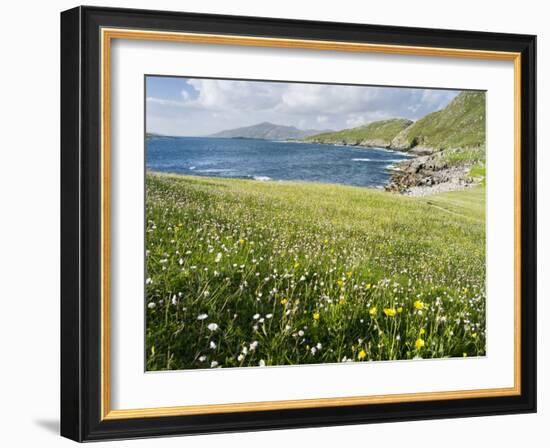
461 124
378 133
266 131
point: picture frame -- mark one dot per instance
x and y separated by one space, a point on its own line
87 35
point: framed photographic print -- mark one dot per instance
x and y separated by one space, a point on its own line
275 224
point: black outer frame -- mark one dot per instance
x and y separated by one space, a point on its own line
81 206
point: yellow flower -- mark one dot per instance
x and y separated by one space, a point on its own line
422 331
316 316
296 265
340 282
419 343
362 355
368 286
419 305
326 241
400 309
390 312
372 311
474 335
284 301
349 274
465 355
241 241
342 300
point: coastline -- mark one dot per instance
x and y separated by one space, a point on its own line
426 172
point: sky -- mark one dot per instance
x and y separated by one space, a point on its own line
198 107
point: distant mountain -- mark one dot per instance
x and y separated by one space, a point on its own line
377 133
461 124
266 131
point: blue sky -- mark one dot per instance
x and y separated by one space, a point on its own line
194 106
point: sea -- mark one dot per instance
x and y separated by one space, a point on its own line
267 160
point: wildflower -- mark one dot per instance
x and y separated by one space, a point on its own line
151 305
202 358
296 265
284 301
218 257
419 305
422 331
213 364
342 300
390 312
212 345
419 343
148 281
212 326
319 346
268 316
261 363
373 310
300 333
362 354
464 355
400 309
316 316
313 350
240 357
474 335
368 286
254 345
202 316
349 274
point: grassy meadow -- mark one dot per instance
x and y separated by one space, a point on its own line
247 273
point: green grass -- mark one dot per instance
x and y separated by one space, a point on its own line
301 273
381 132
471 156
459 125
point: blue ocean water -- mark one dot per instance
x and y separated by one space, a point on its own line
270 160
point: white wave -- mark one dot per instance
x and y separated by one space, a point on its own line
261 178
361 160
192 167
215 170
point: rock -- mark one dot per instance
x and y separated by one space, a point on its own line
430 172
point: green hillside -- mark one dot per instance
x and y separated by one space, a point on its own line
459 125
378 133
244 273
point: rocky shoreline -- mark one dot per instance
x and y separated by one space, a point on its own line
430 174
427 172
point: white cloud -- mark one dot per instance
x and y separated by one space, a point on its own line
315 106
